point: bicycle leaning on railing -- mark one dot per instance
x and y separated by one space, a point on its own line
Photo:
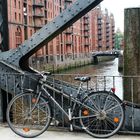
99 113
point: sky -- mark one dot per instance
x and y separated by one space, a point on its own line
117 8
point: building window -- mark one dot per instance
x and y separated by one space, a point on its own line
45 14
51 14
48 5
31 32
18 35
15 16
41 22
19 4
30 9
30 20
15 3
20 17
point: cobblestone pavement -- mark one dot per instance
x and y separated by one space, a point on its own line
7 134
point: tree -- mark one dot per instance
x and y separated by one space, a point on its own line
118 39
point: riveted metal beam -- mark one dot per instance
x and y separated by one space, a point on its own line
3 42
3 26
19 56
16 60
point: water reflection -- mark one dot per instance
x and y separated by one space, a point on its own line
104 68
105 75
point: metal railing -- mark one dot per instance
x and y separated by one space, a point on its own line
67 84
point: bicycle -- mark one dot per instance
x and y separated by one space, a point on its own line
100 113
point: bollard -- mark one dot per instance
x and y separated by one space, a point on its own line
132 53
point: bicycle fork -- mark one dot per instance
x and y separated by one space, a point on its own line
70 113
70 109
70 119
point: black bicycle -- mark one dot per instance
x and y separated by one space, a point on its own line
100 113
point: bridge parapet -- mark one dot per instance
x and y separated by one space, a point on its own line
110 55
106 53
67 84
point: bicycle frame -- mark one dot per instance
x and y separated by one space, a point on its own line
70 112
99 113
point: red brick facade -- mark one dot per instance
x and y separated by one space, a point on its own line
93 32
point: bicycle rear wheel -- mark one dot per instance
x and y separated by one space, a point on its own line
102 114
26 121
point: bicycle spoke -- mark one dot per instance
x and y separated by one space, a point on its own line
112 108
28 120
110 123
88 107
106 102
98 102
94 105
97 127
89 123
105 123
111 103
17 107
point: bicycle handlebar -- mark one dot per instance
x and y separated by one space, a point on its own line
43 76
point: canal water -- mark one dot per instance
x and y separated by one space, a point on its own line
103 68
109 69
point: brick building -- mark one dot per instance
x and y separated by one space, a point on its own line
93 32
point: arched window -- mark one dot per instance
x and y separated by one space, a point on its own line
18 35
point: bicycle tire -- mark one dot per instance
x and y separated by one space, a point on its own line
102 114
22 121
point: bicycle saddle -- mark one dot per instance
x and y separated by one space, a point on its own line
83 79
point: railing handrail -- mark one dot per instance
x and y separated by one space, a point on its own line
76 74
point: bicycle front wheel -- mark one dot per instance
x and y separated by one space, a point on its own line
27 117
102 114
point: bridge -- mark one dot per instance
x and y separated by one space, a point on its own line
16 74
111 53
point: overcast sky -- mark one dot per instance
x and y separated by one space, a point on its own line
117 8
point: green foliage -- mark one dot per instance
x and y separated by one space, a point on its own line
118 39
